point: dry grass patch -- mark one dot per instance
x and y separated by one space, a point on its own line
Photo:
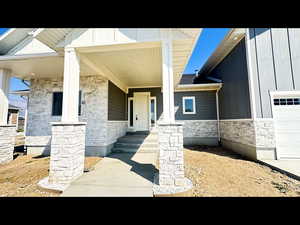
219 172
20 177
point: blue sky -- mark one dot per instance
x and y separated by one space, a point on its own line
207 43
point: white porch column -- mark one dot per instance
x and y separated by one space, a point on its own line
167 70
68 136
7 132
71 86
170 179
4 88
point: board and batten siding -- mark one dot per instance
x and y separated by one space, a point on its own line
275 57
117 100
234 101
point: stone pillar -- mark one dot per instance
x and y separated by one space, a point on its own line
68 136
171 179
7 143
67 152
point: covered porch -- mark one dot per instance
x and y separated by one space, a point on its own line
129 67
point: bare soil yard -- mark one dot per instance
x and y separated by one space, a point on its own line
220 173
20 177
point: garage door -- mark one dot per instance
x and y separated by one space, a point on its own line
286 113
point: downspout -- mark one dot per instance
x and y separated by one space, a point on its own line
218 116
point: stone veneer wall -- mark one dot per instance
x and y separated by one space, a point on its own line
115 129
252 138
67 152
200 132
7 143
93 111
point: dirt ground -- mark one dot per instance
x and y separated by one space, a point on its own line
20 177
221 173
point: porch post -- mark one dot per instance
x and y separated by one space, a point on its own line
7 132
167 70
71 86
68 136
170 179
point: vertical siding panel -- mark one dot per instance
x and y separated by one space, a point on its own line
265 68
282 61
294 37
254 66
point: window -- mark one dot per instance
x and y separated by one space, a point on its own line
57 103
189 106
286 101
130 112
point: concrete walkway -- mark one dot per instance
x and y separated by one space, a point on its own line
118 175
291 166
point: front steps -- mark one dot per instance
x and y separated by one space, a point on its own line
132 142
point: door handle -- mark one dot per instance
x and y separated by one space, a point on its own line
136 117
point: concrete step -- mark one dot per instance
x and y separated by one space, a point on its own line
133 150
137 140
134 145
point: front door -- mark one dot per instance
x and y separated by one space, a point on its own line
141 111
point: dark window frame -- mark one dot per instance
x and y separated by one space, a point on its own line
59 113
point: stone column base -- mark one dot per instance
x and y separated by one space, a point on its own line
7 143
67 153
171 177
171 190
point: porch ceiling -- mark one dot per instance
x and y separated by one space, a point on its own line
134 67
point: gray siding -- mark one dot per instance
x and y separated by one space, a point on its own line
275 56
234 101
117 106
205 102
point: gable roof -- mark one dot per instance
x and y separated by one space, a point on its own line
233 37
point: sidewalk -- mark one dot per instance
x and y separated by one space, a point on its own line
118 175
291 166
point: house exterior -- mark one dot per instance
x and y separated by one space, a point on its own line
13 115
89 87
259 107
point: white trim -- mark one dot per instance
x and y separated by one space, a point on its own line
250 75
128 111
183 104
27 56
282 94
144 87
198 87
218 115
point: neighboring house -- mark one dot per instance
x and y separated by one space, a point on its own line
13 115
259 103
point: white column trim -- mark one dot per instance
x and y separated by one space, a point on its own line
71 86
168 82
4 90
250 75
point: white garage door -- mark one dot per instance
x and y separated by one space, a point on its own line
286 113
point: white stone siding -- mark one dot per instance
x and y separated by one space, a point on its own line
258 133
265 133
7 142
67 153
200 128
93 109
171 165
115 129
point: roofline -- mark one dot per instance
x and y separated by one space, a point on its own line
233 37
27 56
6 33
